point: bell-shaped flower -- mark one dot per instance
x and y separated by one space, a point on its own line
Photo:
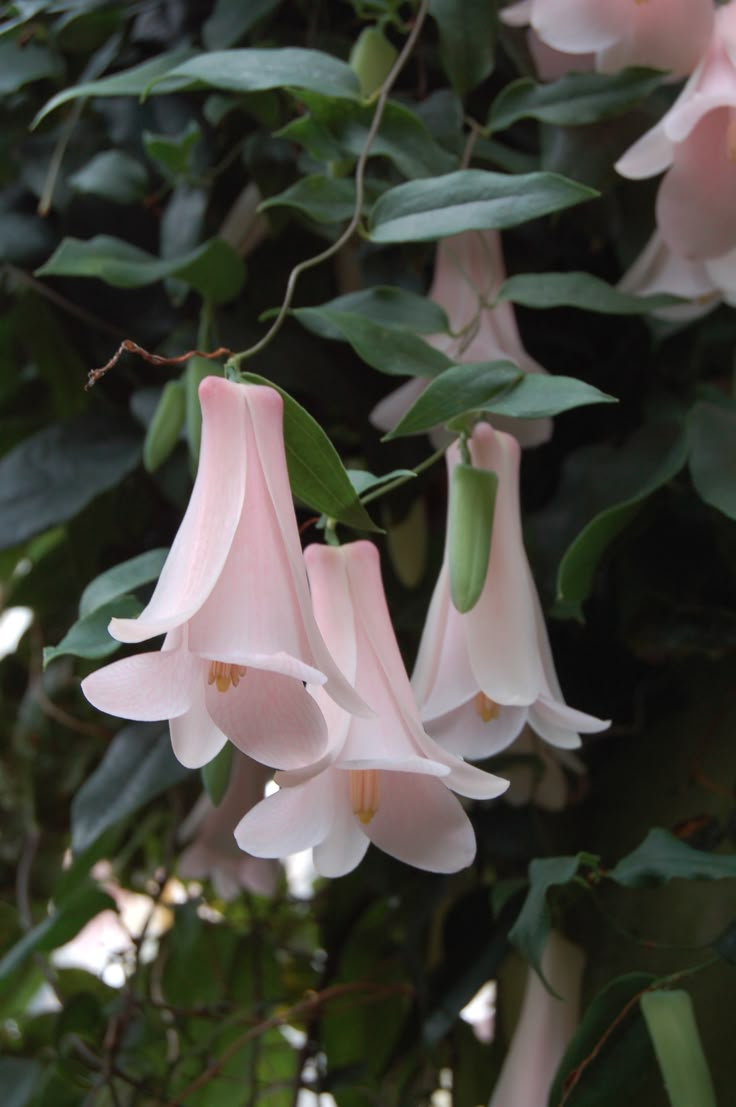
538 778
233 602
481 675
662 34
469 272
383 779
660 269
544 1028
212 852
696 143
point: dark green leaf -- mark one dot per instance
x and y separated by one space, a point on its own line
231 19
575 99
259 70
457 391
467 31
173 153
536 395
396 352
52 475
122 578
19 65
712 435
166 426
324 199
214 269
579 290
389 307
216 773
21 13
363 481
88 637
138 765
469 529
670 1019
318 476
662 856
725 946
529 932
18 1078
470 199
113 174
63 924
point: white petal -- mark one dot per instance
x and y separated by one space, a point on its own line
465 733
290 820
421 823
145 687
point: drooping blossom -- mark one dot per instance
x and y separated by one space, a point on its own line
233 602
539 778
544 1028
662 34
695 142
469 272
481 675
213 852
659 269
382 780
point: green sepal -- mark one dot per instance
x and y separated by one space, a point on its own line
470 526
165 427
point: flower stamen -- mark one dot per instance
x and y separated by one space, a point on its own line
223 675
364 793
487 708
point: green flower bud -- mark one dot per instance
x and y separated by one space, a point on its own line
671 1024
470 525
371 59
165 427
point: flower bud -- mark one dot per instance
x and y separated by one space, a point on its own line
470 525
165 427
371 59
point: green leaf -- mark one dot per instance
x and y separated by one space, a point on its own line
662 857
457 391
216 774
131 82
165 427
402 136
213 269
173 153
324 199
389 307
88 637
469 528
627 476
536 395
18 1078
579 290
317 475
396 352
49 477
467 30
363 481
253 70
20 65
529 932
372 58
138 765
575 99
60 927
670 1020
471 199
122 578
114 175
712 435
231 19
608 1050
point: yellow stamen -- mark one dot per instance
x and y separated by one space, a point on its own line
364 793
223 675
487 708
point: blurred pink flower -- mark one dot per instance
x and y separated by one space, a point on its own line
542 780
213 851
469 272
233 602
660 269
382 780
481 675
663 34
544 1028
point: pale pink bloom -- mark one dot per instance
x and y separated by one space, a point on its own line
481 675
469 272
663 34
233 602
660 269
382 780
542 783
213 851
696 143
552 64
544 1029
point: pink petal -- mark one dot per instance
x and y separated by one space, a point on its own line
552 64
659 269
195 739
345 846
579 26
651 154
421 823
560 725
517 15
722 271
464 733
662 34
442 679
270 717
146 687
290 820
203 541
391 408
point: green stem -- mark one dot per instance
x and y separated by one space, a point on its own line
392 484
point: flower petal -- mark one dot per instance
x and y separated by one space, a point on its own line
290 820
345 846
560 725
465 733
146 687
195 738
421 823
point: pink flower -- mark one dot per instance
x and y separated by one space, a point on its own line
213 853
233 602
541 781
382 780
469 271
481 675
660 269
696 143
663 34
546 1025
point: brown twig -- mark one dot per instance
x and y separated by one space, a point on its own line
131 347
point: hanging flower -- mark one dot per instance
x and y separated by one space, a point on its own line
233 602
663 34
539 778
659 269
481 675
544 1028
213 852
469 272
382 780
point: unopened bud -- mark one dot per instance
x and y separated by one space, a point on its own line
470 526
165 427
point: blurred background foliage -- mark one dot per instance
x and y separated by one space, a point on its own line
355 989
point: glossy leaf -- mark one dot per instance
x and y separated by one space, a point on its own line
126 577
63 924
579 290
389 307
88 637
712 436
529 932
22 64
470 199
662 856
459 390
467 39
18 1078
252 70
165 427
173 153
114 175
388 349
231 19
324 199
575 99
670 1020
